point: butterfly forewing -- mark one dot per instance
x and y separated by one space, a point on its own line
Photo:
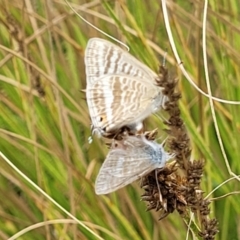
121 91
104 58
128 162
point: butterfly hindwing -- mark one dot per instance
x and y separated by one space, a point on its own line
111 102
128 162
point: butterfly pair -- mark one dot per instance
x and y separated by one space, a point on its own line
122 92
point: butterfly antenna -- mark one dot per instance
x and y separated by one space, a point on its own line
164 141
90 139
164 59
93 130
161 117
159 191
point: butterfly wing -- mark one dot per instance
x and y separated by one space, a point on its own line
128 163
119 170
105 58
117 101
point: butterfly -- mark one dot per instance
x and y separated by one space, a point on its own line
128 160
120 91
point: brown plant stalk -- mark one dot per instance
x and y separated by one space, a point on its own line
179 182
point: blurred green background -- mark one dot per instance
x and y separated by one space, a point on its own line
44 121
